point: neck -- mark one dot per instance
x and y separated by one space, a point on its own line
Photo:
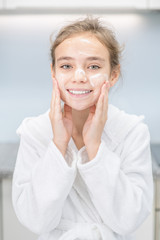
79 118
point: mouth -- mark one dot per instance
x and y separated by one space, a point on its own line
79 92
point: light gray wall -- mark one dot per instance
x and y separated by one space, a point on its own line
25 79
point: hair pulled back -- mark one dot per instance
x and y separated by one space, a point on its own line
91 25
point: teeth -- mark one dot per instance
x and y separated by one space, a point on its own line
78 92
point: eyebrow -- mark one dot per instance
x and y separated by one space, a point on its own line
96 58
64 58
88 58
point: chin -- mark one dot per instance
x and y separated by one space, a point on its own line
79 107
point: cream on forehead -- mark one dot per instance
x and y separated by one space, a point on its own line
83 53
85 40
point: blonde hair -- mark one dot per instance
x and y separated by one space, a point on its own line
90 25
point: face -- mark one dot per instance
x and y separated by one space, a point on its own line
81 67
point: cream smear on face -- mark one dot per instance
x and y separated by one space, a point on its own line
84 96
81 80
99 77
80 74
96 80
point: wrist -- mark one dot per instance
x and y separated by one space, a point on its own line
92 150
61 146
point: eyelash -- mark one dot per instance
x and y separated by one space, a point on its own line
97 67
67 66
64 66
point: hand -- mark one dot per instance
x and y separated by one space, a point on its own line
61 122
94 125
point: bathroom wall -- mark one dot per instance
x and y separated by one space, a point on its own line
25 79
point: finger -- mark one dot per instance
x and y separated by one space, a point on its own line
99 106
107 84
106 90
52 105
57 106
105 102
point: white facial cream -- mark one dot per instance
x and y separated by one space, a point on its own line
98 77
80 73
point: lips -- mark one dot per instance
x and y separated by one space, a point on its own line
78 89
79 92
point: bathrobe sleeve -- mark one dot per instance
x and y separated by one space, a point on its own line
41 183
121 185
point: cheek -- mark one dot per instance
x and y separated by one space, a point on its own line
97 80
61 79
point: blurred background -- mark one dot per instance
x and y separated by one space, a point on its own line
26 85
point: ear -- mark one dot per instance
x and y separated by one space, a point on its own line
114 75
52 71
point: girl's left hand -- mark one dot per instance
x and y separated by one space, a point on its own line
94 125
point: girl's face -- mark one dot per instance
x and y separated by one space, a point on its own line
81 67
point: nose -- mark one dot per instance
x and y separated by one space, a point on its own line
80 75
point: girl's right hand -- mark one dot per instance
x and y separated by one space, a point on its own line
61 122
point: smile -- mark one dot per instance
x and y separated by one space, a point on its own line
79 93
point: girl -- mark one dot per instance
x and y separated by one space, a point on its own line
83 170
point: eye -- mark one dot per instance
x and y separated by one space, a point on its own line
94 67
66 66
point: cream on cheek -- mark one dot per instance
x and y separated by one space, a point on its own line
61 79
80 75
98 79
78 101
95 80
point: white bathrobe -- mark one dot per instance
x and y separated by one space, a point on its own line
70 198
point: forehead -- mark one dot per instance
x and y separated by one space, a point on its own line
82 44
